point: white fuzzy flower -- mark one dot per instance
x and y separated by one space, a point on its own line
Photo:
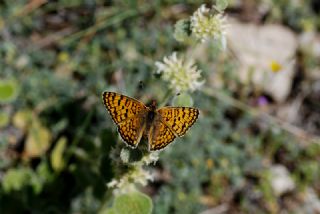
127 183
206 26
182 75
112 183
152 157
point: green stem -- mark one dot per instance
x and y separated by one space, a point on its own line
99 26
109 21
104 201
79 135
166 97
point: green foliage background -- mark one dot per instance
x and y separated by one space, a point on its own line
56 59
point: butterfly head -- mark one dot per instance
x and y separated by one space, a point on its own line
153 105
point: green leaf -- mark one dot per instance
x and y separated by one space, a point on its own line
133 203
16 179
38 139
182 30
108 211
22 119
222 5
183 100
57 160
8 90
4 119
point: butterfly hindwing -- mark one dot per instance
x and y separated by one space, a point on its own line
131 130
179 119
160 135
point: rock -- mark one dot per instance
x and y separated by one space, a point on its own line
311 202
309 42
266 55
281 181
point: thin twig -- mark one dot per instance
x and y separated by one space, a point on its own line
166 98
221 209
79 134
109 21
29 7
51 39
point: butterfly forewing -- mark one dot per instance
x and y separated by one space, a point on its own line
122 107
128 114
131 130
179 119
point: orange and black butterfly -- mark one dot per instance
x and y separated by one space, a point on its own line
135 120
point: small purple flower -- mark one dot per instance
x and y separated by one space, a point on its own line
262 101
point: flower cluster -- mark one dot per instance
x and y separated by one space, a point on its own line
127 183
205 25
183 75
138 175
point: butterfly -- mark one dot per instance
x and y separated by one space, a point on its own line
135 120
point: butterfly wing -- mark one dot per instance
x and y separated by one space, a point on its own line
160 135
128 114
179 119
169 123
121 107
132 130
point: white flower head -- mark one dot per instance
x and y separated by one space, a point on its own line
152 157
183 75
205 25
127 183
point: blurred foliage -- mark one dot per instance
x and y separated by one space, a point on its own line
8 90
135 203
57 142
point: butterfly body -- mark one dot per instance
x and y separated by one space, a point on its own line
151 111
135 120
150 118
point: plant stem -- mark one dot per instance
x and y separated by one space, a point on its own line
109 21
79 135
166 97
